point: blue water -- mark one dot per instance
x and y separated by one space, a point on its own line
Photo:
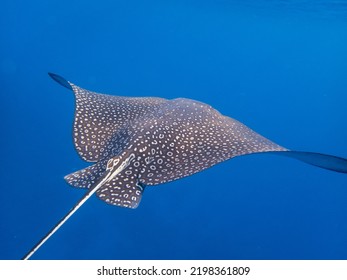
280 67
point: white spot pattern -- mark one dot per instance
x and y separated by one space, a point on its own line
169 139
99 117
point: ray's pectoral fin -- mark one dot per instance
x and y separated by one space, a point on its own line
60 80
123 191
329 162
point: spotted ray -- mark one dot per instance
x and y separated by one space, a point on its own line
138 142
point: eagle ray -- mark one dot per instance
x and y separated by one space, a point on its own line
145 141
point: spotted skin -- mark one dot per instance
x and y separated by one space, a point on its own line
138 142
185 137
99 117
169 140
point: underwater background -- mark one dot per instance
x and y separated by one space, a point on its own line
280 67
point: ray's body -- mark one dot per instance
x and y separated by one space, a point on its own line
138 142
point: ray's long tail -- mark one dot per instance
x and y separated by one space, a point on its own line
87 195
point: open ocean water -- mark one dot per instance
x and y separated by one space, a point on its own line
279 67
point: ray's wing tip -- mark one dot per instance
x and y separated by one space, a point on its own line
60 80
325 161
